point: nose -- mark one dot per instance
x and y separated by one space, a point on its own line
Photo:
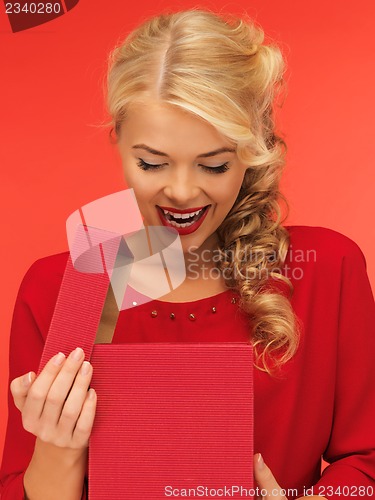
181 188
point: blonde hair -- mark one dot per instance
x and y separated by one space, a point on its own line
219 68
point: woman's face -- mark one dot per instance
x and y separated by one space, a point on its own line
178 163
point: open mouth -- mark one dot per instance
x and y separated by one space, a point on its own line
184 222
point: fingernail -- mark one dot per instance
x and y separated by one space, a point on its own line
77 354
92 393
260 462
58 359
85 368
26 379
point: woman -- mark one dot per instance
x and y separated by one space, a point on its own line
191 97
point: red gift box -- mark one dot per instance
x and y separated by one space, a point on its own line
171 417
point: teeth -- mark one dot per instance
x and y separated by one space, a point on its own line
182 216
177 224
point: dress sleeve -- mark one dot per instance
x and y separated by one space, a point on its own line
32 313
351 448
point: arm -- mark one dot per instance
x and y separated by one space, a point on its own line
54 470
25 350
47 467
351 446
57 408
351 449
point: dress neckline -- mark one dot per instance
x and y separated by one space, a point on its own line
210 297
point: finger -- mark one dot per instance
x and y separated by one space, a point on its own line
77 396
61 387
85 421
37 394
268 485
19 388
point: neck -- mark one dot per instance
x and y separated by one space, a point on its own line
200 262
202 276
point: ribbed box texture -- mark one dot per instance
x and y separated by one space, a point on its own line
171 415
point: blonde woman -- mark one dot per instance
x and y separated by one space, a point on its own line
191 97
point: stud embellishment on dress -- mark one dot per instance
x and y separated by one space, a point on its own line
134 303
191 316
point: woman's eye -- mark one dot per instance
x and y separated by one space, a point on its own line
212 170
148 166
216 170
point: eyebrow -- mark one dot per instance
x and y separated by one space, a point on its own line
203 155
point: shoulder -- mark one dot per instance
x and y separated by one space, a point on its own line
326 244
43 278
38 293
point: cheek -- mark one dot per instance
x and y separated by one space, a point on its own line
227 192
130 175
141 185
144 193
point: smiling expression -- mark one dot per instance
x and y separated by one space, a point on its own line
179 164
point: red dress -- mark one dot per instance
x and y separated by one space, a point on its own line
321 404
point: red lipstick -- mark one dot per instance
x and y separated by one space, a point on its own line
192 227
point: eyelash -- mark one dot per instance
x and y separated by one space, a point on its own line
212 170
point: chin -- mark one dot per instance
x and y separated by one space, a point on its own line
187 242
195 243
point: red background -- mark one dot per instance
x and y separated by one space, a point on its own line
54 157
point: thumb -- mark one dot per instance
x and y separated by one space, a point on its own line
267 483
19 388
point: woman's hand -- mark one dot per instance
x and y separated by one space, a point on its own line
268 484
266 481
57 406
